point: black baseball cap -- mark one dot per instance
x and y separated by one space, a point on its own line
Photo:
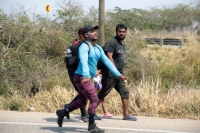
89 28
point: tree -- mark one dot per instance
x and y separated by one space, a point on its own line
69 15
178 17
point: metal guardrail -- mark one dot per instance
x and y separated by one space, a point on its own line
167 41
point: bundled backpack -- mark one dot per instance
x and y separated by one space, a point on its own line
71 57
100 64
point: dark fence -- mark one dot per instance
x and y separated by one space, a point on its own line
165 42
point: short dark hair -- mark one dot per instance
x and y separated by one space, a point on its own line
121 26
80 31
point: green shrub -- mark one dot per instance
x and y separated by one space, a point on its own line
14 104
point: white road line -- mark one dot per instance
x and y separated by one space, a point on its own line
111 128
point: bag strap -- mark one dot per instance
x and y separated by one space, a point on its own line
88 46
97 47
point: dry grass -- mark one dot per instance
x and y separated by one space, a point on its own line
50 101
145 100
178 102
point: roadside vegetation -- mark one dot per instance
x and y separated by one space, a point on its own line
164 82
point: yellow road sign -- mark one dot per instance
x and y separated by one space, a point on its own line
47 8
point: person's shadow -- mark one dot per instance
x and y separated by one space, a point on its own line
54 120
65 129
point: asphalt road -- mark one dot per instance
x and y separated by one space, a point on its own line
37 122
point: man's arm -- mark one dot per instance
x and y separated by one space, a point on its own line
109 63
110 57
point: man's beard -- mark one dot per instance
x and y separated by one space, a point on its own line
119 38
93 39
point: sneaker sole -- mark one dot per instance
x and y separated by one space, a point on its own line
81 121
105 117
130 119
97 119
96 131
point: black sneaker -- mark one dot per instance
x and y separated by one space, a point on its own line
96 117
87 115
92 128
84 119
64 107
130 118
61 114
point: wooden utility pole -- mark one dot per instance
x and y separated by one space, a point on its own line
101 22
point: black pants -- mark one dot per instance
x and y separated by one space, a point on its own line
71 75
108 82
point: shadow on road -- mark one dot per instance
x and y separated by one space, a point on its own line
64 129
112 118
64 120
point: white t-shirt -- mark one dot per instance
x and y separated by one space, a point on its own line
97 79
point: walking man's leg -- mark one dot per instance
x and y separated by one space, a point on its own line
84 116
86 90
125 103
124 93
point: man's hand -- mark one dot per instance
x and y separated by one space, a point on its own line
86 79
122 78
98 72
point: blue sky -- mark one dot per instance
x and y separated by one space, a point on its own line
38 6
